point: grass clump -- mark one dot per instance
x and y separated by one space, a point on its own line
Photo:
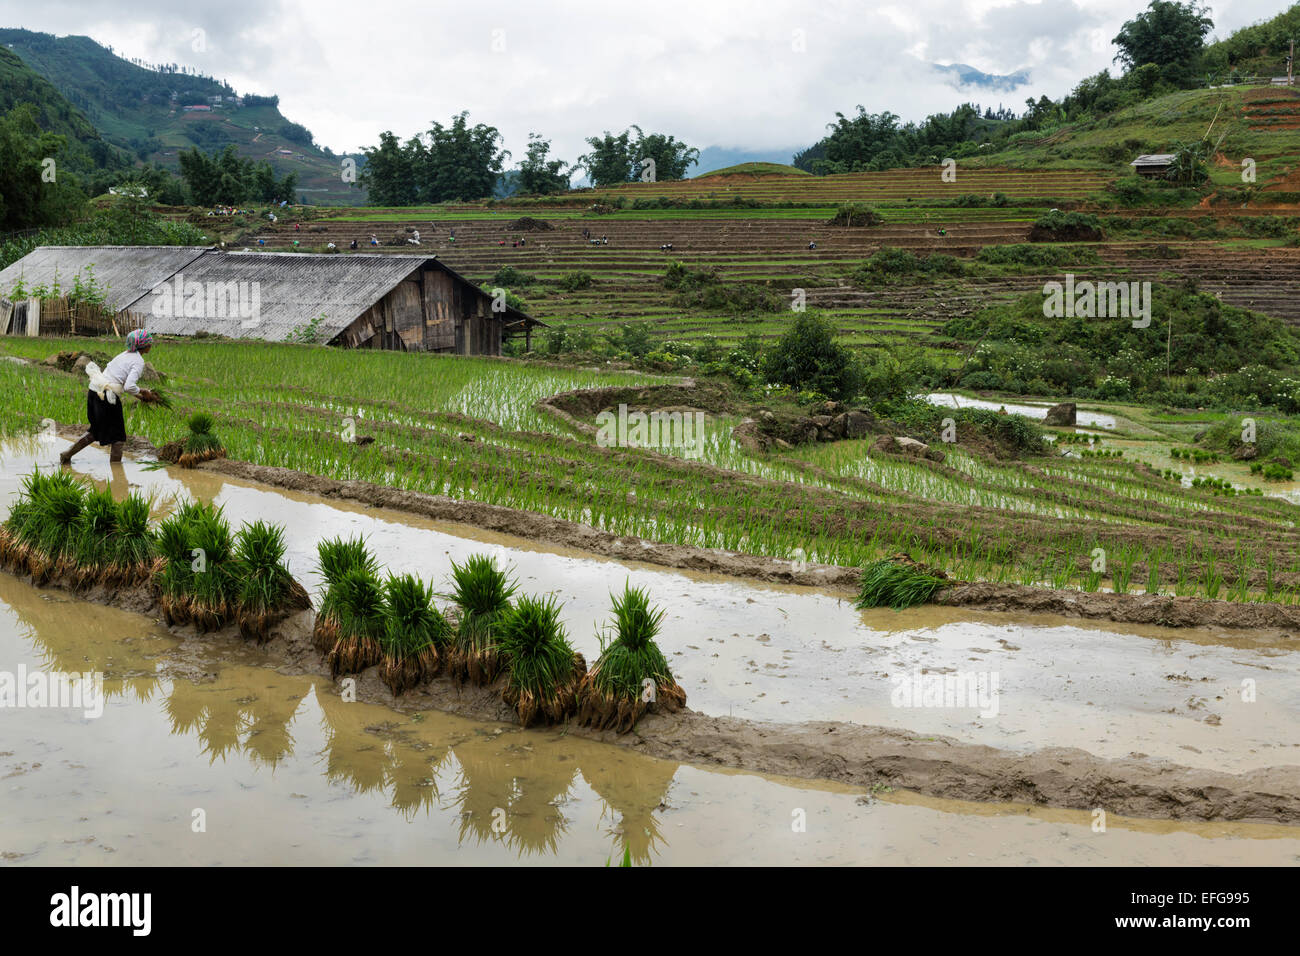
482 593
897 583
543 672
415 637
631 676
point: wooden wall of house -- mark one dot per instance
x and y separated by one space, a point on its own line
430 311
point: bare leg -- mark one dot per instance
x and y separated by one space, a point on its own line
82 442
115 452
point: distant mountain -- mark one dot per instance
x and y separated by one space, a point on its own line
157 111
720 157
961 75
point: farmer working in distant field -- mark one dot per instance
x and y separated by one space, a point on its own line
104 397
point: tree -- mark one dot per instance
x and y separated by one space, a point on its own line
609 162
1169 34
808 358
455 162
670 157
1190 166
33 192
537 174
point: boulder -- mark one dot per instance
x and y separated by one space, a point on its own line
1065 413
902 445
858 423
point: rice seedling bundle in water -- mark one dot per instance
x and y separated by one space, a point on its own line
631 676
543 672
898 583
337 557
416 635
482 593
267 591
358 606
200 445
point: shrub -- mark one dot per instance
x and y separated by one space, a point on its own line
808 358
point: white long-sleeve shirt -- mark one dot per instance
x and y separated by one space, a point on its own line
125 369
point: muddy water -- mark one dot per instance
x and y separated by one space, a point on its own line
950 400
794 654
238 764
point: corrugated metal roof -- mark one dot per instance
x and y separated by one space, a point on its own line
124 272
1153 159
266 295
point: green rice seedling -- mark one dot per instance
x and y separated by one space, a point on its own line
267 591
631 676
176 577
96 524
481 592
1211 580
336 559
215 585
415 637
543 672
897 583
49 531
1153 573
357 601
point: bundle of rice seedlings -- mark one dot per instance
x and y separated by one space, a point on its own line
200 444
358 606
631 676
176 577
95 524
415 634
482 592
267 591
213 582
543 670
336 558
43 525
897 582
133 549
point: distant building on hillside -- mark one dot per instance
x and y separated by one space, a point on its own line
1155 165
198 108
407 303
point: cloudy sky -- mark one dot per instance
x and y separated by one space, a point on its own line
757 74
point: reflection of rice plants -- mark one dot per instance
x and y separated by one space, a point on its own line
482 592
542 669
415 634
631 675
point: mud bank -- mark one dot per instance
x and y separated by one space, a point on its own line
1160 610
856 755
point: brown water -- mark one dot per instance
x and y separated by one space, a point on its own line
285 772
790 654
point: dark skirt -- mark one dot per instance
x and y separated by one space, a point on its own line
106 423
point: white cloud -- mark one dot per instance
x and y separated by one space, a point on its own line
721 72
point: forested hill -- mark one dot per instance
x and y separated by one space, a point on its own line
142 108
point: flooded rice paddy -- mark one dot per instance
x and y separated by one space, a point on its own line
281 770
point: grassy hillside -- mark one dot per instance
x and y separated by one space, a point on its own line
132 106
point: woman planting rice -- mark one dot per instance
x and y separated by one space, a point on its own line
104 397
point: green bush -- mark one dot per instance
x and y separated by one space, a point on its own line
808 358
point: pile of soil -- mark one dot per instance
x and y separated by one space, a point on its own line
529 224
